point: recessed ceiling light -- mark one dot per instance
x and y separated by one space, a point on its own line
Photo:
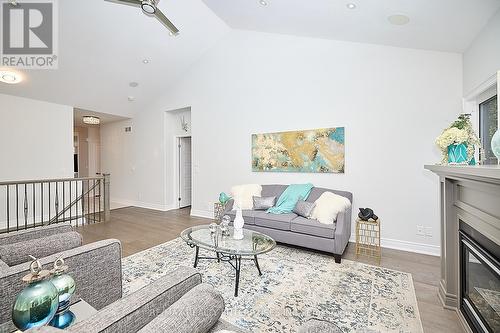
131 98
10 77
398 19
263 3
351 5
133 84
91 120
145 61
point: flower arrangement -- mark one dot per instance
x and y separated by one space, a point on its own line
460 132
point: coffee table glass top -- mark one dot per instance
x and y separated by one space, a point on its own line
252 244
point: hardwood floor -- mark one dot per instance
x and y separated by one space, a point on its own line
139 229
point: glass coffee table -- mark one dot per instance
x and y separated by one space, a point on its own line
228 249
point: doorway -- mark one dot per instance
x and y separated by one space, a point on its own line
184 181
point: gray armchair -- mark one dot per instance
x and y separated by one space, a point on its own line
95 267
178 302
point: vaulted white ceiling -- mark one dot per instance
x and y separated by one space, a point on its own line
102 44
101 49
445 25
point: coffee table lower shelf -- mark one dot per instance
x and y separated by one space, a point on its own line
229 258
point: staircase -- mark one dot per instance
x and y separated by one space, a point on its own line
35 203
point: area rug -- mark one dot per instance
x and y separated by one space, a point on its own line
296 285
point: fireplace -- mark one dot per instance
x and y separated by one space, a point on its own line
479 280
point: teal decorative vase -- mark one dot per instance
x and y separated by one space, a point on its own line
223 198
36 305
495 144
65 286
457 154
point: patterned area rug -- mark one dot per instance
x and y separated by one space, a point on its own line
296 285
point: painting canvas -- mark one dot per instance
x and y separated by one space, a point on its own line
318 150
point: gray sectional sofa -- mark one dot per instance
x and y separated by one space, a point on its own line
296 230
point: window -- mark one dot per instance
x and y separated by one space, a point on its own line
488 125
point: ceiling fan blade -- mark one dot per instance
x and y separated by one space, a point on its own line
126 2
166 22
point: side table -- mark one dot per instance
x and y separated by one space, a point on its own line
368 239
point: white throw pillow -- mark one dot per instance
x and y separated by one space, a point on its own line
243 195
328 206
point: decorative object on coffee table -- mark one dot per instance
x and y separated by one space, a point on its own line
219 209
227 249
238 223
36 305
368 238
224 225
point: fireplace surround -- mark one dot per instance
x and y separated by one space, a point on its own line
470 244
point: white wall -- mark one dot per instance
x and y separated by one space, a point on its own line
393 102
36 139
482 58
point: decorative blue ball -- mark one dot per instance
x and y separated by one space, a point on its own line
495 144
35 306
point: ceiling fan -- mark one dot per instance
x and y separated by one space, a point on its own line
150 8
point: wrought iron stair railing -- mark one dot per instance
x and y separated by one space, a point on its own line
34 203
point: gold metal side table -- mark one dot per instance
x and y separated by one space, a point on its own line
368 239
218 210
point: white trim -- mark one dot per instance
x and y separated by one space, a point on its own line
147 205
432 250
488 84
202 213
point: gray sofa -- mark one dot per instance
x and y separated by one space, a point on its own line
96 268
296 230
178 302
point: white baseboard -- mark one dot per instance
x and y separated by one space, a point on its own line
432 250
147 205
202 213
395 244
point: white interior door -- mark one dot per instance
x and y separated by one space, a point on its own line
184 172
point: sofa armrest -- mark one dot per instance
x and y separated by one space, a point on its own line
96 268
133 312
197 311
39 232
342 231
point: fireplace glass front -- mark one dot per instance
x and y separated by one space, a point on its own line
480 283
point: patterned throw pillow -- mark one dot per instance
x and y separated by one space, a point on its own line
304 208
263 203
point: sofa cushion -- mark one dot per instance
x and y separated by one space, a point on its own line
304 208
316 192
243 194
313 227
248 215
18 253
195 312
263 203
328 206
274 221
273 190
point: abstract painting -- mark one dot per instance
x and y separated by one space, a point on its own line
318 150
